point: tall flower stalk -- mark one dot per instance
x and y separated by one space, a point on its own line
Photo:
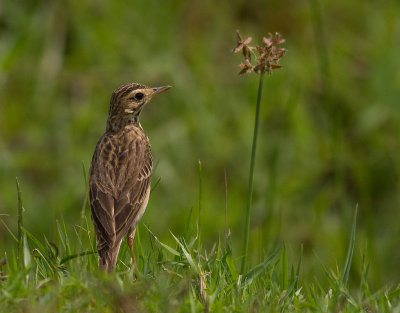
267 59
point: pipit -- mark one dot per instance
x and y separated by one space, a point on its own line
120 173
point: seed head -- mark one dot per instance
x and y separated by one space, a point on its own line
267 56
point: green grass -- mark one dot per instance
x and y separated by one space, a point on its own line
61 275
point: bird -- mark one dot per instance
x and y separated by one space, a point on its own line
120 173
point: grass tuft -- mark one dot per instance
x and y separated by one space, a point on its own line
62 276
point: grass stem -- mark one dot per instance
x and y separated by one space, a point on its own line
20 225
199 213
226 209
251 173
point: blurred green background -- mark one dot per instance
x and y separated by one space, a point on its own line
330 119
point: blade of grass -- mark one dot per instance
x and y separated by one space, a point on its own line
67 244
9 230
77 255
63 237
26 252
155 185
20 225
350 250
168 248
188 224
364 288
299 266
226 209
231 266
258 269
200 196
139 244
189 258
36 242
283 266
86 199
219 248
331 279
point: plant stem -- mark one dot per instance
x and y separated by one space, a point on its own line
20 226
226 210
199 216
251 172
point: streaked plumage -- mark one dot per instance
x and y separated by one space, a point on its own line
120 172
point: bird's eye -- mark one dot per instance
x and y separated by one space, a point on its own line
139 96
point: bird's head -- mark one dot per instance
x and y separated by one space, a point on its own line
127 102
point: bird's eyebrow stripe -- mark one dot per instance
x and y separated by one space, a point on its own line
123 94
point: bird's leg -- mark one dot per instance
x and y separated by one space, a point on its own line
130 245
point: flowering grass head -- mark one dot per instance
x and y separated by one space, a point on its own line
267 55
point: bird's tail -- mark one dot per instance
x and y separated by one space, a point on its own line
108 257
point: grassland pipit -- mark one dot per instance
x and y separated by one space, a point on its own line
120 173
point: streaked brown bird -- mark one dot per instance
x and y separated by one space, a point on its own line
120 173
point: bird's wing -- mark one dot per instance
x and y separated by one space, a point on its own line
101 192
134 188
102 205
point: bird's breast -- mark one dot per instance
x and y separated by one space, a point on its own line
133 157
123 158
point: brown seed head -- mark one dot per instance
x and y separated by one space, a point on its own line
267 56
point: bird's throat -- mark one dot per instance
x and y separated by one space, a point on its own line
117 122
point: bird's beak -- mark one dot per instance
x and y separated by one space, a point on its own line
157 90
